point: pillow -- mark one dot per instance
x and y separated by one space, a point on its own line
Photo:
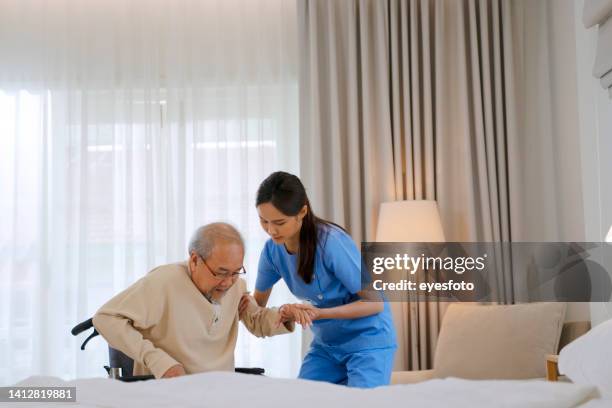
498 341
588 359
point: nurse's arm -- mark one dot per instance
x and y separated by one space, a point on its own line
353 310
262 297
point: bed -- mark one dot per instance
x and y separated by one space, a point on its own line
586 363
217 389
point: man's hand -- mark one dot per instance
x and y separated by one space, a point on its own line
174 371
302 314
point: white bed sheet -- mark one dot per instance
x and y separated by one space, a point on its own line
238 390
598 403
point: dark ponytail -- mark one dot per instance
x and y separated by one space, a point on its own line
288 195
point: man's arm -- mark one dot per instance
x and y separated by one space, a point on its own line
137 308
263 321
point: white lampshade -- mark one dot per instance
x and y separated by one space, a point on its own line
609 236
409 221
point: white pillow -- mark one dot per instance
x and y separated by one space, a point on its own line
588 359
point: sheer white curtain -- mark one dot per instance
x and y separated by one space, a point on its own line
123 126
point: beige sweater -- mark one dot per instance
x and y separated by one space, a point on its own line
163 320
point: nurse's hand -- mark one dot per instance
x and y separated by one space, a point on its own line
292 312
313 312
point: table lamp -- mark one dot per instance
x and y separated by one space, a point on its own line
409 221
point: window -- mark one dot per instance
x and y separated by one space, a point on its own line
100 186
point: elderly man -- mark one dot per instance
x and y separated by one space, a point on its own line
183 318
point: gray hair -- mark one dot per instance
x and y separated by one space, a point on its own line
204 238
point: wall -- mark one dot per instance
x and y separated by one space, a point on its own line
595 118
552 128
577 117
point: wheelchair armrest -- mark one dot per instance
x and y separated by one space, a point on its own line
254 370
81 327
134 378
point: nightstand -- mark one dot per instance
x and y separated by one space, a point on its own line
552 369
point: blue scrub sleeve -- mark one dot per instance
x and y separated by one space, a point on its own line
344 260
267 275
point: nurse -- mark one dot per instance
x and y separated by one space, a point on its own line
354 340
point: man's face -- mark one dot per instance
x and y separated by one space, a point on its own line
224 260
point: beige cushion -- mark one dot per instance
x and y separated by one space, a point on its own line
498 342
411 377
572 330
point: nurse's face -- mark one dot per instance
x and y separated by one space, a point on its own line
280 227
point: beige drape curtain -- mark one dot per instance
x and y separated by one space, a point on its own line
407 100
428 99
346 160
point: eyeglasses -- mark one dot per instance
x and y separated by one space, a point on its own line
222 276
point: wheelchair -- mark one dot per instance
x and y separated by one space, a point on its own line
121 366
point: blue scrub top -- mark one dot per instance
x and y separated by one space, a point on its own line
336 281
